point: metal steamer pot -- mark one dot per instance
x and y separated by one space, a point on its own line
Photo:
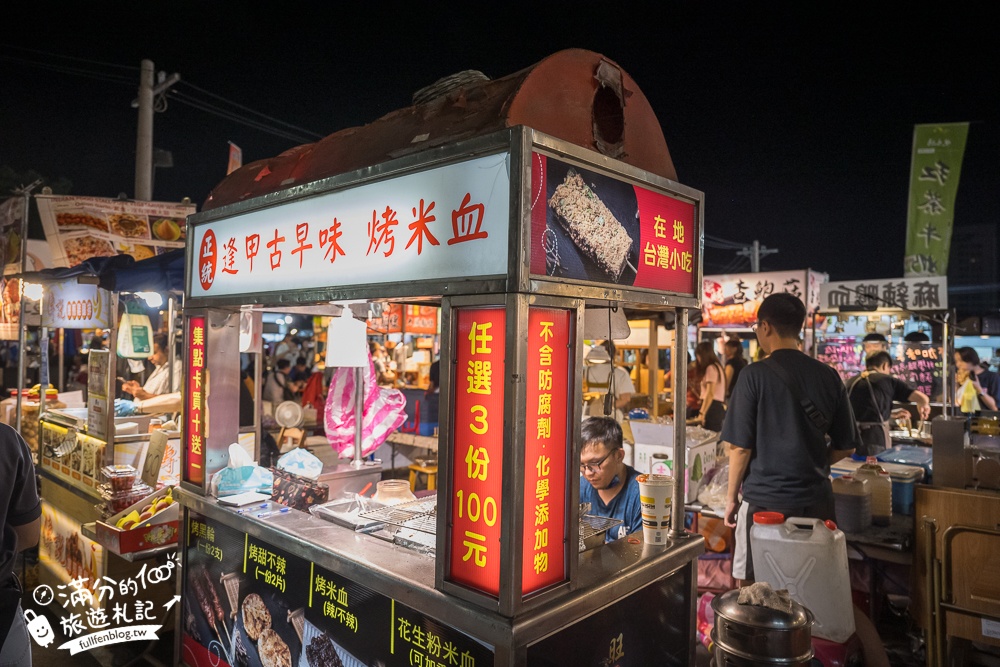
753 635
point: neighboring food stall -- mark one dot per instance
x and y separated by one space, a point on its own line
475 223
892 307
730 302
73 443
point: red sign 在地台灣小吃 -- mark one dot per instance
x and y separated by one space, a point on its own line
547 443
477 471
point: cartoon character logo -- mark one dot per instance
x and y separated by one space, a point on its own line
39 628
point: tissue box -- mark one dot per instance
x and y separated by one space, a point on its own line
296 491
159 530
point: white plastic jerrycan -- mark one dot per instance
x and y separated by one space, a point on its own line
809 558
39 628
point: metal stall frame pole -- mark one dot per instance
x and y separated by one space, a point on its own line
679 361
23 328
947 352
171 342
110 380
359 408
653 365
61 353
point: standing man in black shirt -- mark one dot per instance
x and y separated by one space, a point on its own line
780 414
872 394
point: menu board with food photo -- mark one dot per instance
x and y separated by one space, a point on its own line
79 228
591 226
248 603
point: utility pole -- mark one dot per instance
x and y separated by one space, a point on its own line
144 133
755 252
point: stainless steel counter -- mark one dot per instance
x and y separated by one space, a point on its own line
606 574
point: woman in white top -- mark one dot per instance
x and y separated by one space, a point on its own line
713 387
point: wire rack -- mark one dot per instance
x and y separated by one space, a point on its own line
419 514
591 525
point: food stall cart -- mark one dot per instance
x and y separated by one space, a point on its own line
73 442
507 583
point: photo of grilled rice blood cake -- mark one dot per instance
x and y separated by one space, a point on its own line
321 652
592 226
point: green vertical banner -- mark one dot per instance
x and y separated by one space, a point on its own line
936 167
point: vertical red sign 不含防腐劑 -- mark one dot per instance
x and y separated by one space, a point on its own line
194 470
546 439
477 449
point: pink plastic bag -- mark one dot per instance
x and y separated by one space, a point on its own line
384 411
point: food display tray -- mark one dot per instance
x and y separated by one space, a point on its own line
593 529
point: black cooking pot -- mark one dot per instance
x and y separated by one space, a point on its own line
752 635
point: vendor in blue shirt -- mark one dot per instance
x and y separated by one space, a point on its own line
606 482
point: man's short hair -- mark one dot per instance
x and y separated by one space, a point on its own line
300 361
601 430
282 364
874 338
916 337
968 355
162 341
878 359
785 312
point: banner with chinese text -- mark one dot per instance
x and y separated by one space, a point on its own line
248 600
731 301
477 455
589 226
886 294
934 173
546 448
194 429
448 222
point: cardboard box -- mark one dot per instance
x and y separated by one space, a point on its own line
658 459
159 530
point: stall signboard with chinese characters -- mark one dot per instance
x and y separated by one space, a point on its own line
246 597
731 301
844 355
71 305
920 365
590 226
547 443
448 222
477 472
419 320
78 228
194 431
886 294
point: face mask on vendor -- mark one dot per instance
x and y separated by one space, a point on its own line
601 466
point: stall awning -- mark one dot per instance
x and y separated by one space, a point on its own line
162 273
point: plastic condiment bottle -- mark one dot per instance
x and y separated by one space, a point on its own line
881 484
852 499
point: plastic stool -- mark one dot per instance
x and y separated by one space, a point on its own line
430 471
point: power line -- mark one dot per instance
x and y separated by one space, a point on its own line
314 135
207 107
74 71
74 58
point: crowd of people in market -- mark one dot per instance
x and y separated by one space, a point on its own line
784 419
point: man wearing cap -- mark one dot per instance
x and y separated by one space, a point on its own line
780 414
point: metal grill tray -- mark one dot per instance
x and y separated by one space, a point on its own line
419 514
591 524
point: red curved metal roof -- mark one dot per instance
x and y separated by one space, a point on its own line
575 95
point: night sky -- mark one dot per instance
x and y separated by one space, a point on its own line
795 120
